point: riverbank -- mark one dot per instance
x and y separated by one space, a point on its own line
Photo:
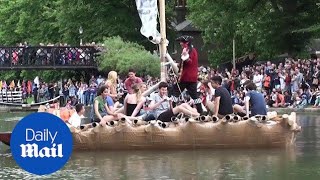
4 109
289 110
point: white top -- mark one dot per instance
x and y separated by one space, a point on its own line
257 79
75 120
162 107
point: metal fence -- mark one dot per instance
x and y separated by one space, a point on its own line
54 56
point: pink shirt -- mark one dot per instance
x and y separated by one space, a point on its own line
128 83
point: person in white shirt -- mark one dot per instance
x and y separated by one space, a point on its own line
161 105
282 80
99 80
257 80
75 119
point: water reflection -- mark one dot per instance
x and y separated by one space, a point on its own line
9 120
202 164
300 162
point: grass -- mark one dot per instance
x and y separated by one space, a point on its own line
29 100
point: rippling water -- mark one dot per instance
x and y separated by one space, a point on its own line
300 162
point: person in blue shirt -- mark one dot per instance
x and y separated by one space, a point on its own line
254 102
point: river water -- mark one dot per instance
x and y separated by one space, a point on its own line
299 162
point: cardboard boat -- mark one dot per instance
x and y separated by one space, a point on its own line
271 131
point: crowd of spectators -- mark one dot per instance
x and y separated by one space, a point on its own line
293 84
49 54
71 92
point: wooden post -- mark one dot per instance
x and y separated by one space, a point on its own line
163 47
234 53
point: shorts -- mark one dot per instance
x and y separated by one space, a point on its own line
166 116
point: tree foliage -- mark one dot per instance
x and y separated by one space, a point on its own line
265 27
122 55
28 20
55 21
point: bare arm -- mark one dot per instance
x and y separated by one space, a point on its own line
216 105
139 106
108 110
125 104
96 109
246 103
211 88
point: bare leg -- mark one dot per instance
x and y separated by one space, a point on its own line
238 109
210 106
189 108
182 109
120 110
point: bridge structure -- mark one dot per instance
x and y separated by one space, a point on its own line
48 57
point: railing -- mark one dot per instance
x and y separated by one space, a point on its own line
48 56
11 96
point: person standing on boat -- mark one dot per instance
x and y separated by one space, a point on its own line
222 98
254 102
188 73
75 119
161 104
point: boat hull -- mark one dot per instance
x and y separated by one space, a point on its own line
280 132
189 135
5 137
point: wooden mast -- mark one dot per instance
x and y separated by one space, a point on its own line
163 46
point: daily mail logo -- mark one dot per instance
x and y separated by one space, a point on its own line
41 140
32 150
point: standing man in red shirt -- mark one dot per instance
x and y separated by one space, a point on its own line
131 80
189 72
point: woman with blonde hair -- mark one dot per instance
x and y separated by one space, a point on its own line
112 83
133 103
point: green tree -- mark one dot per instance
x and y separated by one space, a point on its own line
104 18
120 55
265 27
54 21
28 20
